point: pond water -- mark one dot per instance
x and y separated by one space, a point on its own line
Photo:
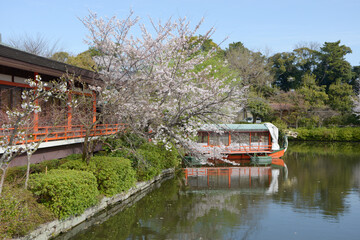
316 197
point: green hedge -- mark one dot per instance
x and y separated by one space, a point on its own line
147 158
65 192
113 174
20 213
17 174
347 134
154 158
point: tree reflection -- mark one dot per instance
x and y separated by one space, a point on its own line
320 179
323 175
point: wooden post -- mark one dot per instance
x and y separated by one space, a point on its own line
270 141
69 113
94 106
36 115
250 142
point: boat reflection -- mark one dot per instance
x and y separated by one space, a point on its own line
246 179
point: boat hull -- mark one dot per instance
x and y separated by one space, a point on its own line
245 158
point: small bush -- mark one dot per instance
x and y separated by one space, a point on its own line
155 158
347 134
123 141
65 192
170 157
113 174
17 174
20 213
280 124
73 157
147 158
150 163
125 146
78 164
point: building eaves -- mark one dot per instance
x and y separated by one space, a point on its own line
15 58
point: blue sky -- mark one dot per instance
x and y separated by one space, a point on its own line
275 25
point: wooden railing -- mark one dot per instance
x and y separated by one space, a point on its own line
250 149
56 133
256 147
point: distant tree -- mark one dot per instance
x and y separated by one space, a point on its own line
315 99
38 45
341 97
333 66
209 44
286 74
314 95
280 104
299 109
259 108
356 108
83 60
251 67
307 57
355 81
60 56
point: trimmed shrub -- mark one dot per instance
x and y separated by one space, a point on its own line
170 157
147 158
155 158
150 163
126 144
113 174
348 134
17 174
124 141
20 213
65 192
78 164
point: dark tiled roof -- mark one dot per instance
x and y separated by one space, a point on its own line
15 58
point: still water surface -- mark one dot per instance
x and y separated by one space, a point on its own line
316 197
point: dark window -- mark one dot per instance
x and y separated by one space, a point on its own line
219 138
203 137
240 138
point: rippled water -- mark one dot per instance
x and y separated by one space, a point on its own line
316 197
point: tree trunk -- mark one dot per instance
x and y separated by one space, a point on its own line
84 150
28 169
4 168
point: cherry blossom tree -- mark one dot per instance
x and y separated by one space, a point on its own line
84 101
15 122
154 79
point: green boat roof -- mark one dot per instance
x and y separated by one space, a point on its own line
234 127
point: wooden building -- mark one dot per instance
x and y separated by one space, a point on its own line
64 138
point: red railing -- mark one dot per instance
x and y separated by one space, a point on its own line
249 149
56 133
256 147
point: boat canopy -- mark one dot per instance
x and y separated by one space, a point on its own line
234 127
274 131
